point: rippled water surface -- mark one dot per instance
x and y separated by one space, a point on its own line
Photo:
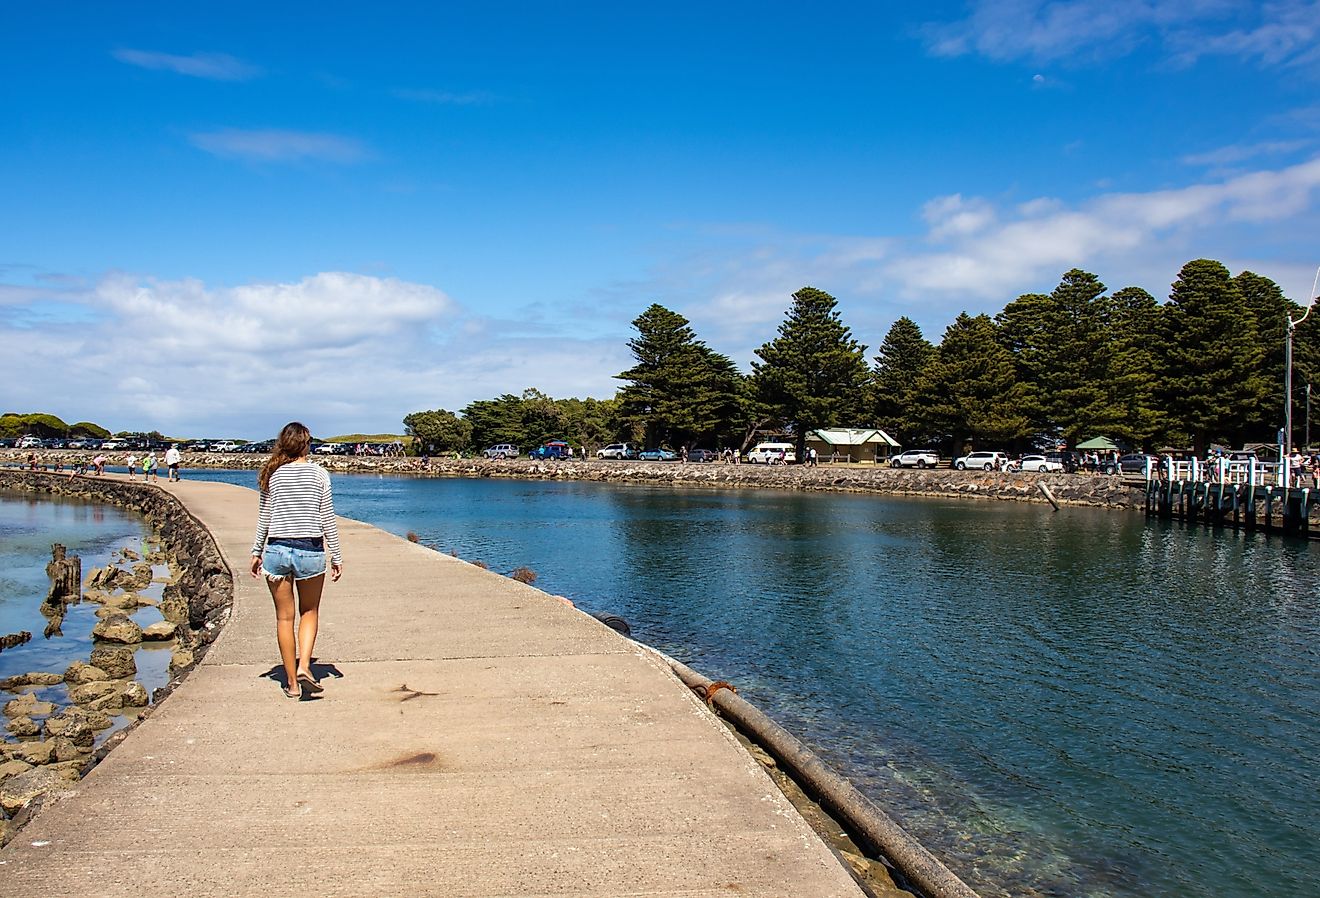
1076 704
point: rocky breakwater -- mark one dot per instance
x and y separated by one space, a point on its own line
52 718
1068 489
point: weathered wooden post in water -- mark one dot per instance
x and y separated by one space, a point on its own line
65 575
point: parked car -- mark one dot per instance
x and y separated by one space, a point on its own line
986 461
503 450
30 442
335 449
771 453
552 449
702 455
224 446
1042 464
111 445
1135 463
617 450
657 455
915 458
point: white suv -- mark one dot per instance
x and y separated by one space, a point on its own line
617 450
502 450
987 461
915 458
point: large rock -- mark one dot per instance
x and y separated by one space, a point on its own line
134 695
26 705
43 678
22 726
122 601
160 631
81 672
97 720
118 628
110 702
35 753
115 660
140 578
73 727
66 750
13 767
181 659
98 579
19 791
86 692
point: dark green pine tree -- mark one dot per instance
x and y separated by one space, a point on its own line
898 367
1271 310
1073 356
1134 372
680 391
1213 386
970 389
1023 331
814 374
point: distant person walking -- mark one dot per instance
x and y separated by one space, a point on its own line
172 460
132 466
296 527
149 466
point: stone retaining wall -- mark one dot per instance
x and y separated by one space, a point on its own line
1069 489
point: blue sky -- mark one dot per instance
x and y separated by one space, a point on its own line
219 217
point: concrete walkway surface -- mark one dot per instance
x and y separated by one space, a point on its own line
476 737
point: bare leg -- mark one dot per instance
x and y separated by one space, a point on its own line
282 592
309 609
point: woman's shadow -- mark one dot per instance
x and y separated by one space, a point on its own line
320 670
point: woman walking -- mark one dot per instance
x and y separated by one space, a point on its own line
295 529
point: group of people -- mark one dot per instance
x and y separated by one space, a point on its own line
148 468
95 466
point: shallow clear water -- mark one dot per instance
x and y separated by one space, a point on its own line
1076 703
28 526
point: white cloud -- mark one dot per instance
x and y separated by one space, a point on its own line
215 66
1241 152
343 352
273 145
1046 239
1073 31
953 216
1284 34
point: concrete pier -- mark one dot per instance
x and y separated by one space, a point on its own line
475 737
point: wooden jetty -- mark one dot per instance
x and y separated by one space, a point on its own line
1249 495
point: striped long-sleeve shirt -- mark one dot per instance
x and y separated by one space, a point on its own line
297 502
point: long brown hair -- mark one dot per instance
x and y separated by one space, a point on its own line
295 439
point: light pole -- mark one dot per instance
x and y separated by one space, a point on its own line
1287 365
1308 417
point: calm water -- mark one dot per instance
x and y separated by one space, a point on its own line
1072 704
28 526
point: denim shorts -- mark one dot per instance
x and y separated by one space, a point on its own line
283 562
